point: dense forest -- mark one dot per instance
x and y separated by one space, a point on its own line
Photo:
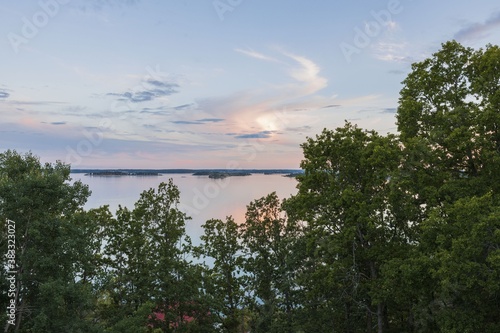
387 233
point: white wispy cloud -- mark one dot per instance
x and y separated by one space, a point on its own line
255 110
392 51
254 54
307 73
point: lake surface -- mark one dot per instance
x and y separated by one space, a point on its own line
202 198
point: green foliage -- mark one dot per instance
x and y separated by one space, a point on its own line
386 233
145 252
50 245
449 122
271 263
461 245
344 197
223 280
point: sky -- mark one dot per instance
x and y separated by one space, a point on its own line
212 83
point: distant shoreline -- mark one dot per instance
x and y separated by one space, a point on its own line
211 173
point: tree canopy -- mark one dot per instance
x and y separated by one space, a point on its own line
386 233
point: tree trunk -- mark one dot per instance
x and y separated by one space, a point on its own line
380 318
368 321
380 305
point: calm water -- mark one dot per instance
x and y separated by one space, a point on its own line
201 198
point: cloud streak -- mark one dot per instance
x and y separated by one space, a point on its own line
100 5
391 51
35 102
152 89
185 122
478 30
389 110
258 135
197 122
210 120
253 54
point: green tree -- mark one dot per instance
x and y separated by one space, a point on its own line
149 272
224 277
270 264
352 230
52 245
462 244
449 123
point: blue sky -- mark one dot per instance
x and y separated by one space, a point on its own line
211 84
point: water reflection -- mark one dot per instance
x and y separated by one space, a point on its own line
201 198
